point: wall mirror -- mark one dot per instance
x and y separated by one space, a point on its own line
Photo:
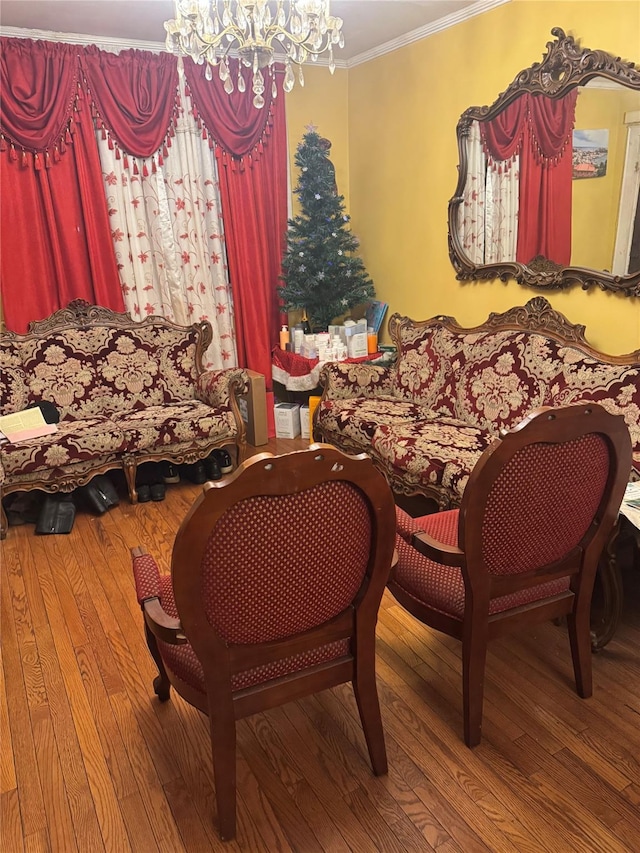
549 176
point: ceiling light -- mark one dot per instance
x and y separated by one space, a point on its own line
260 32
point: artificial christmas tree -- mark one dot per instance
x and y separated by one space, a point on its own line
322 275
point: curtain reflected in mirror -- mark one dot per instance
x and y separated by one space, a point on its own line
548 186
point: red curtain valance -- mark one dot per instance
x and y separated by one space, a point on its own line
550 123
135 96
39 84
231 120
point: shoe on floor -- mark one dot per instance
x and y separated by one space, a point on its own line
169 472
223 459
157 491
212 468
196 473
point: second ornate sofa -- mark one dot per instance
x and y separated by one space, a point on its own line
128 392
426 420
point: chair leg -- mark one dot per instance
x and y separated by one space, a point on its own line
366 693
580 642
223 744
161 684
474 657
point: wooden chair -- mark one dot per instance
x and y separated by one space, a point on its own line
524 545
276 579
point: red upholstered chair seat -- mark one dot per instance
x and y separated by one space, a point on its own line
524 545
276 570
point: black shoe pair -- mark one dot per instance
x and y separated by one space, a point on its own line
205 469
149 483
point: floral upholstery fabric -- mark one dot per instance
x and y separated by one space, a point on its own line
102 370
344 380
170 426
433 452
91 440
121 389
213 386
466 387
14 393
354 421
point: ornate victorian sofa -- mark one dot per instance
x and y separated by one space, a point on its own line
426 420
127 392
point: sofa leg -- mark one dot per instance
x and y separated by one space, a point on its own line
130 466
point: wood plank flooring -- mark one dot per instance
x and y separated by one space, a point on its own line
91 761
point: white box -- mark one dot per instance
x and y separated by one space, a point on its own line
287 417
304 421
357 345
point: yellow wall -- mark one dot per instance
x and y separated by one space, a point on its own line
398 154
596 200
323 102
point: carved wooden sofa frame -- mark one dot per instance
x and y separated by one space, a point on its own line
128 392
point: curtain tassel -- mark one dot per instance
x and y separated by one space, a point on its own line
3 144
160 159
47 159
110 143
37 161
104 132
56 154
204 133
118 155
67 136
153 165
135 167
165 153
125 161
145 171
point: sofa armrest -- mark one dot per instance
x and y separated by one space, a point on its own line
342 380
217 387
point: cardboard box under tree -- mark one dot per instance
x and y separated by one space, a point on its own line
253 408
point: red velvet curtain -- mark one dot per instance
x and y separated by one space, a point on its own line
55 237
135 96
540 128
252 164
544 219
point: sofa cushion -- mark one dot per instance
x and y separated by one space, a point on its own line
429 361
93 439
435 452
102 370
165 427
506 374
354 421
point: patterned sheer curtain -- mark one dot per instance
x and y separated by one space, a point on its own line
166 226
489 213
501 210
471 223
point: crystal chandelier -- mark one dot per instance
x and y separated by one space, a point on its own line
260 32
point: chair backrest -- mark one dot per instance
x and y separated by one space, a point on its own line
284 545
541 500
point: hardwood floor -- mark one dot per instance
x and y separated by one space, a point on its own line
91 761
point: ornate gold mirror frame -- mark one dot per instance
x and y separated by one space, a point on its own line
564 67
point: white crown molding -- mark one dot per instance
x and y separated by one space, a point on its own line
429 29
117 44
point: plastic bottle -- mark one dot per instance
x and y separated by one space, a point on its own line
284 337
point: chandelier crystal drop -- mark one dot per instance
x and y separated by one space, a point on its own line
260 32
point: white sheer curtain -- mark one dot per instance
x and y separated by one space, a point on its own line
472 210
169 239
489 213
501 211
